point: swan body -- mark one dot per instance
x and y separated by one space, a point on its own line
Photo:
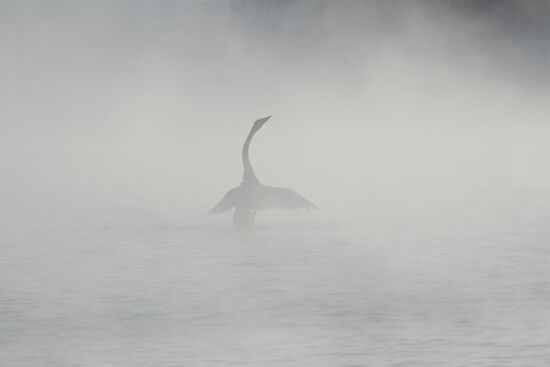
251 196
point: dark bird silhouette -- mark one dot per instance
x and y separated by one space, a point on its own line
251 196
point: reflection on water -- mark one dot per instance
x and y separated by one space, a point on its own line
465 284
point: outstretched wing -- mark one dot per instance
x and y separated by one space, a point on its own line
228 202
280 198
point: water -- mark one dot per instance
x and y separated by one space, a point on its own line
410 283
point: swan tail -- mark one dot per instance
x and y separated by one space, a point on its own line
281 198
229 201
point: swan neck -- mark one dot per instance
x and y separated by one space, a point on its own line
249 175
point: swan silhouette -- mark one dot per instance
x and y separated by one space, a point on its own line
252 196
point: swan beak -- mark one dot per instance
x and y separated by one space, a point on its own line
259 123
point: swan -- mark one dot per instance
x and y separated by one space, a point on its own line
251 196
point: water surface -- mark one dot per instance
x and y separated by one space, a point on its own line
460 283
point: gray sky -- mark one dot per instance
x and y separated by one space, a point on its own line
148 100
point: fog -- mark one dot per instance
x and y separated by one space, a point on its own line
419 129
118 99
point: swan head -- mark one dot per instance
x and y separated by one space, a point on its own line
259 123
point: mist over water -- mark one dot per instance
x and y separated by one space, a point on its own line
419 129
